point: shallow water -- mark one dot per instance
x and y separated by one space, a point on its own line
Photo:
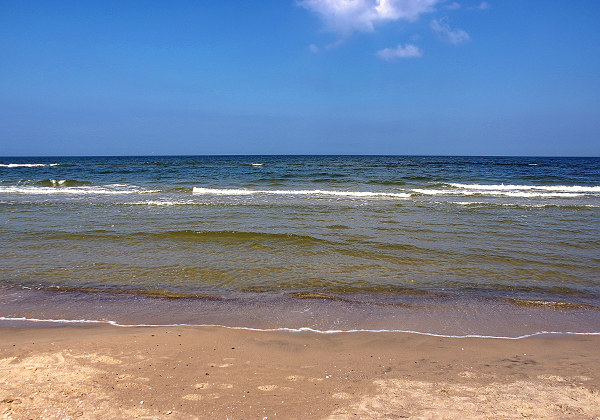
438 244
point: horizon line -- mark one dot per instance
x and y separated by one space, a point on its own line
295 155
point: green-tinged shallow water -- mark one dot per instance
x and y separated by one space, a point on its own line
386 242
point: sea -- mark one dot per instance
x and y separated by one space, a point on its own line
451 246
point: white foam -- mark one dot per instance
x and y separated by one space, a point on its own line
222 191
257 164
163 203
26 165
487 203
487 191
291 330
490 203
108 189
509 187
356 194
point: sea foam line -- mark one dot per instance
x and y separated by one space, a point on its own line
509 193
509 187
488 203
163 203
291 330
225 191
74 190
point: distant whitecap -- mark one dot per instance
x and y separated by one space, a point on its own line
26 165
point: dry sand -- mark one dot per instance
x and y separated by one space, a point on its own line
184 373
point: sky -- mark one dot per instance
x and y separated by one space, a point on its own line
401 77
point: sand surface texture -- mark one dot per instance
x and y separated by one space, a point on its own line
186 373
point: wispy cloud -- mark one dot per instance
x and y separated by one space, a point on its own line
347 16
443 30
453 6
408 51
483 6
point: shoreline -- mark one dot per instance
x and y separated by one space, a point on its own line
198 372
63 323
444 317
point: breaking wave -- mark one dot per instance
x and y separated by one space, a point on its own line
543 191
314 193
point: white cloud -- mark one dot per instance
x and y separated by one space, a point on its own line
409 51
443 30
347 16
483 5
314 49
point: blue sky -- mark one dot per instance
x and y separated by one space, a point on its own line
464 77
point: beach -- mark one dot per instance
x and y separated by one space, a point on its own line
300 209
244 287
214 372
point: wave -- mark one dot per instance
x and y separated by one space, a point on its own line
236 237
241 238
152 293
316 193
165 203
509 187
543 191
290 330
26 165
550 304
74 187
523 194
520 205
61 183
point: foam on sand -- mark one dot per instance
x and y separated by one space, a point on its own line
290 330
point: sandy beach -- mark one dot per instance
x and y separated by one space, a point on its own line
202 372
300 209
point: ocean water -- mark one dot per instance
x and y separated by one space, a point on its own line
500 246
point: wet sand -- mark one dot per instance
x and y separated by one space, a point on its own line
202 372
